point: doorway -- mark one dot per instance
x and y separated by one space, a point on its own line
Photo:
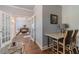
33 30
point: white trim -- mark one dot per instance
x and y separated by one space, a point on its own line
32 39
6 43
39 46
46 47
20 8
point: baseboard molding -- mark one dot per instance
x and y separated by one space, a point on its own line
39 46
32 39
46 47
5 44
37 43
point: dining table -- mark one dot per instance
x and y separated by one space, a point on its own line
56 36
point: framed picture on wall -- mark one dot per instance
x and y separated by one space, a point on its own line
53 19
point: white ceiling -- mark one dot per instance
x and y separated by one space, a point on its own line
30 7
18 10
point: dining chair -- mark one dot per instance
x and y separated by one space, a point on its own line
64 45
74 46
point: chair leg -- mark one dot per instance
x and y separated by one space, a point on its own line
57 47
70 50
52 47
21 51
76 49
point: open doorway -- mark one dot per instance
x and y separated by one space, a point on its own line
30 23
20 21
33 28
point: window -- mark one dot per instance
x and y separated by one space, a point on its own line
5 28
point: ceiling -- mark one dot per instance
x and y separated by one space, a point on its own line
18 10
30 7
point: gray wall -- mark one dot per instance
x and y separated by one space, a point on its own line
47 27
39 26
43 25
66 14
70 15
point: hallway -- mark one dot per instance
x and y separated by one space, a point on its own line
42 23
29 46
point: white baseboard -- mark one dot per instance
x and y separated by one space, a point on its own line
32 39
39 46
37 43
46 47
5 44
